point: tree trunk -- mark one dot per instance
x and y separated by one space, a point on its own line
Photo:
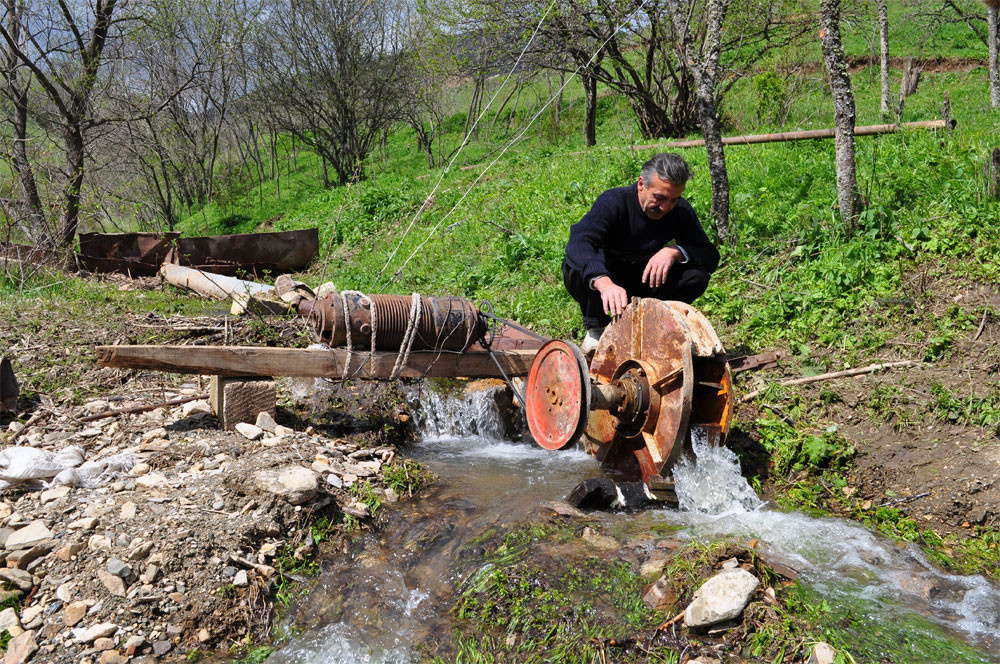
883 38
590 108
33 224
70 218
993 8
844 113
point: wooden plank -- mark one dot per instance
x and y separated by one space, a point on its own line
260 361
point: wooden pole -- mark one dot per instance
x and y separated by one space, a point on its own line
847 373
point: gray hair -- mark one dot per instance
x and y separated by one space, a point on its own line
668 166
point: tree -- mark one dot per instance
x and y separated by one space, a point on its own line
848 198
333 74
992 9
883 35
703 62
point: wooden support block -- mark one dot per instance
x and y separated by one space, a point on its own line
236 400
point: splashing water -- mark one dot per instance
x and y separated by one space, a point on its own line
710 482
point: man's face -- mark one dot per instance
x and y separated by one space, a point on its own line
659 197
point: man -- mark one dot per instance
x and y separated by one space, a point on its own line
641 240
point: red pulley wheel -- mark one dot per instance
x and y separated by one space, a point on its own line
557 395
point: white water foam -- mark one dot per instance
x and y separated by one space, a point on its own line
837 557
462 415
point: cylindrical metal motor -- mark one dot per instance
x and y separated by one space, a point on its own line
445 323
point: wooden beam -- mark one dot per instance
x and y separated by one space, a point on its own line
260 361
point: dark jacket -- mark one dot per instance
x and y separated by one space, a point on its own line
616 231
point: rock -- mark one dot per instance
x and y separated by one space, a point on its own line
67 552
111 657
249 431
26 537
335 481
85 524
114 584
822 653
119 568
280 430
204 635
74 613
295 484
592 537
134 645
652 567
97 631
9 622
29 614
16 577
64 593
240 579
266 422
58 492
151 574
99 542
21 648
152 480
153 434
140 468
161 648
33 554
140 551
723 597
660 595
127 511
199 407
104 643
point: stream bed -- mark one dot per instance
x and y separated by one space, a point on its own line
390 600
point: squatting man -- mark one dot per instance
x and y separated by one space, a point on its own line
640 240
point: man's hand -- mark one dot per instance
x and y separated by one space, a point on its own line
613 297
656 270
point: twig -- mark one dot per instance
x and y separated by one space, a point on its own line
835 374
900 501
141 409
777 411
671 622
982 324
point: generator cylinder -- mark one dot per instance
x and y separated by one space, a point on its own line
443 323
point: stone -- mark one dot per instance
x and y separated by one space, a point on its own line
84 524
56 493
29 614
16 577
111 657
152 481
280 431
151 574
249 431
266 422
74 613
595 539
140 551
28 536
295 484
33 554
128 511
114 584
64 593
652 567
204 635
334 480
161 648
822 653
120 569
390 495
94 632
99 542
723 597
104 643
9 622
21 648
133 645
660 595
140 468
198 407
240 579
67 552
236 400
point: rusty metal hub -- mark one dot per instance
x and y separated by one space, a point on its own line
557 395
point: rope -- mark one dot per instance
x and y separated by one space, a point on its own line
514 140
411 333
465 142
347 327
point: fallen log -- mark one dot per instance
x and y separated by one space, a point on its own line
207 284
847 373
261 361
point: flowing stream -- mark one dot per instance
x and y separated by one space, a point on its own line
388 602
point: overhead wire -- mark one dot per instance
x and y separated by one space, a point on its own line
514 140
461 147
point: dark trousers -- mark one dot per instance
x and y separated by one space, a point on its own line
684 283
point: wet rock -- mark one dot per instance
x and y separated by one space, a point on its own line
21 648
593 538
295 484
723 597
563 509
653 566
28 536
660 595
822 653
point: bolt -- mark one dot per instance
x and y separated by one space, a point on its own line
366 328
365 302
